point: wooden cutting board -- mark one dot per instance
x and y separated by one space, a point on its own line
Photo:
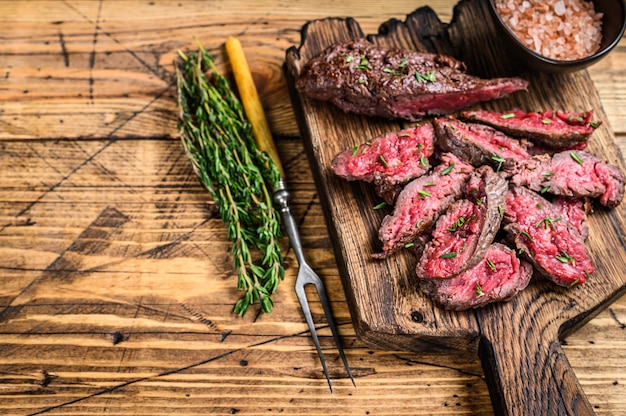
518 342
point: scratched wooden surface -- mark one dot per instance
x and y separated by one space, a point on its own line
115 281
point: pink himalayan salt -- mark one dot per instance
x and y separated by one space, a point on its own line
563 30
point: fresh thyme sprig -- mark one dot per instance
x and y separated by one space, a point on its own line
219 143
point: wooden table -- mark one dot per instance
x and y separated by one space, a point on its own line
116 284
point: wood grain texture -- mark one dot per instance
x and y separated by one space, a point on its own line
518 341
115 281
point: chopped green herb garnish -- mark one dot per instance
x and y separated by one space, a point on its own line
594 125
507 115
491 265
500 210
409 245
349 58
381 205
574 283
539 206
355 150
576 158
402 63
448 169
429 76
525 234
450 255
423 161
548 174
548 222
383 161
545 189
424 193
479 290
430 184
546 121
497 158
457 224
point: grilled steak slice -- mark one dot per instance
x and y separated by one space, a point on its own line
574 174
551 243
360 77
421 202
463 234
553 129
499 276
479 144
389 161
575 211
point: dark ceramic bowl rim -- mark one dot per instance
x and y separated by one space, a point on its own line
575 62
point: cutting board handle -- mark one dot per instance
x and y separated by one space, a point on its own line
528 374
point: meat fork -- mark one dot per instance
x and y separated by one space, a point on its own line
306 275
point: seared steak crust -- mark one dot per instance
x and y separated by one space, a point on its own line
553 129
360 77
548 240
499 276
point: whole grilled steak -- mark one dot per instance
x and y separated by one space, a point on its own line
499 276
553 129
548 240
421 202
463 234
573 174
479 144
389 161
360 77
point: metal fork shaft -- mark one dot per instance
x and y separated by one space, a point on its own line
307 276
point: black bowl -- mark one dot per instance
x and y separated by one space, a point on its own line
613 25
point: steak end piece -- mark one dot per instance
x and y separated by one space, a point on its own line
463 234
360 77
541 233
499 276
553 129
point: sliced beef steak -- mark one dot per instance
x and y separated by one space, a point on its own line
574 174
540 232
421 202
553 129
499 276
462 235
479 144
389 161
363 78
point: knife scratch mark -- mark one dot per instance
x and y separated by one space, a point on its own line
616 319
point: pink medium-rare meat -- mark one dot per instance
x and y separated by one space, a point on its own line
575 211
572 173
548 240
499 276
389 161
462 235
553 129
479 144
421 202
360 77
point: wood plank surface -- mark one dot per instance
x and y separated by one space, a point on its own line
116 285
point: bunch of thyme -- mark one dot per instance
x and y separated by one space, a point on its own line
219 142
